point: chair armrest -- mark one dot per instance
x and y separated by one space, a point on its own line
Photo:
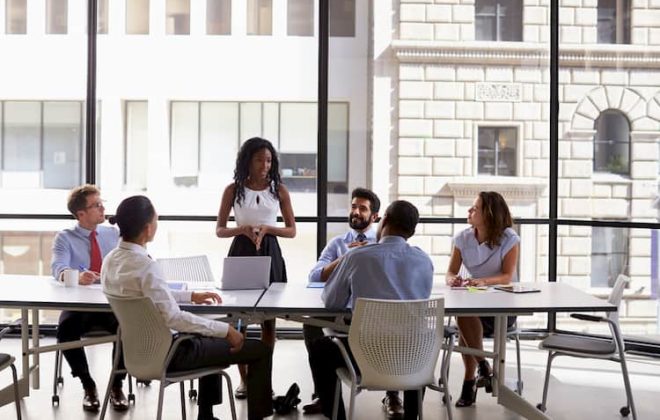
347 358
330 332
179 339
9 327
591 318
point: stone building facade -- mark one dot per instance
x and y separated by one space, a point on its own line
471 70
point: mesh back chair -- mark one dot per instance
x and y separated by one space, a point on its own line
148 348
5 362
589 347
99 337
195 269
395 344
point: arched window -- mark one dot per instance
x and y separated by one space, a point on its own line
612 143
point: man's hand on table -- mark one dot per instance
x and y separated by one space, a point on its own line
88 277
205 297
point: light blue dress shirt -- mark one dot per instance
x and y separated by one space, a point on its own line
337 247
390 269
480 260
71 248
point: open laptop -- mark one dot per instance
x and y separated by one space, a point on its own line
245 273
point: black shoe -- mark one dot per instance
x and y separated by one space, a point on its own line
393 407
313 407
468 394
118 399
91 400
485 376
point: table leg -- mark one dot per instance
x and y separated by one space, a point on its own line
35 345
505 396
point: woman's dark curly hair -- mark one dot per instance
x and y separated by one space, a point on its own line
242 170
496 215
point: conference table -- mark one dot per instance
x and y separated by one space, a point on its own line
300 303
294 301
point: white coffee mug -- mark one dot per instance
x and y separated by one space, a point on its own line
70 278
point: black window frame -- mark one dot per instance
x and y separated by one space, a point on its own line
322 219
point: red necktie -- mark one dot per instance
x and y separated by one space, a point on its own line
94 254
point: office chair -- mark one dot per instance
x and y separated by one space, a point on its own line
100 337
194 269
8 361
396 345
148 347
589 347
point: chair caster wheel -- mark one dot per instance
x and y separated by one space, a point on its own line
60 381
55 400
131 398
192 394
540 407
145 383
625 411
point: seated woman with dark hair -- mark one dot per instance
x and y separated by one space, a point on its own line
488 250
129 271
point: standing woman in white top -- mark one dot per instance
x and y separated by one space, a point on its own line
256 195
488 251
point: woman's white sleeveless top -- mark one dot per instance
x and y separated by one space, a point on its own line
257 208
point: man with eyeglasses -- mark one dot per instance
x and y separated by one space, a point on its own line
82 247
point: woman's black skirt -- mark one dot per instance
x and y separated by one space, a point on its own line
242 246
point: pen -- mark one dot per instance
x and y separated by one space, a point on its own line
82 268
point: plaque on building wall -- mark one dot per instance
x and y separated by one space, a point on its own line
499 92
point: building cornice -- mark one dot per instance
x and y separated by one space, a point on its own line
516 189
522 53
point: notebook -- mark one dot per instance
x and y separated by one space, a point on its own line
517 288
245 273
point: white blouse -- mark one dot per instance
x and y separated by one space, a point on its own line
257 208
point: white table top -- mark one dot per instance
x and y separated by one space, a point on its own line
554 297
42 292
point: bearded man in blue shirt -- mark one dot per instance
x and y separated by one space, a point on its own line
389 269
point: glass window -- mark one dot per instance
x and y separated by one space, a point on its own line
22 144
218 17
185 143
219 142
137 17
613 22
497 151
56 16
102 20
136 148
21 253
177 17
260 17
498 20
342 18
300 18
609 255
16 17
62 147
612 143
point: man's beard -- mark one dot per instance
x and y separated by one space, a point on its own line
358 223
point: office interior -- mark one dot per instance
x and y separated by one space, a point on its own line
553 103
